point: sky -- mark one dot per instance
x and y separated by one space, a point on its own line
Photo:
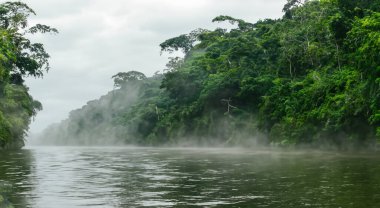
99 38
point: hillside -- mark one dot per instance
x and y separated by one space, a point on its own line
311 77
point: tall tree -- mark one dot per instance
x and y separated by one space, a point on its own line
19 57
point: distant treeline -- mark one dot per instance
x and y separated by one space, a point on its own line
311 77
19 58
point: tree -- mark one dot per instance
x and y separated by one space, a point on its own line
19 57
122 78
311 77
291 4
242 25
26 58
183 42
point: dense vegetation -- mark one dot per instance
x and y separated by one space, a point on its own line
107 120
19 57
311 77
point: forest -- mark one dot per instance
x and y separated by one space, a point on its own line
311 77
19 58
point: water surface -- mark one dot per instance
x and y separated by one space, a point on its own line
55 177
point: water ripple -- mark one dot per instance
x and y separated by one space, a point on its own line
56 177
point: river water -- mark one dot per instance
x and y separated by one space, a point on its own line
55 177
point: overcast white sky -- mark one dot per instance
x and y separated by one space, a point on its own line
99 38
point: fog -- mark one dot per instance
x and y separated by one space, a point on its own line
98 39
128 114
93 124
165 177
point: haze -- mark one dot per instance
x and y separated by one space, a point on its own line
97 39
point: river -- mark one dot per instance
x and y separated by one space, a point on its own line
69 177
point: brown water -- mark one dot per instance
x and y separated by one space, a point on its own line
52 177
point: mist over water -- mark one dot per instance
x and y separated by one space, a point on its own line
94 124
256 85
56 177
130 115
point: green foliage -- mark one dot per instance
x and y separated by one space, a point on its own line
242 25
19 57
122 78
124 115
311 77
184 42
291 4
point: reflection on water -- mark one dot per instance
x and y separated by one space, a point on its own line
16 183
125 177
